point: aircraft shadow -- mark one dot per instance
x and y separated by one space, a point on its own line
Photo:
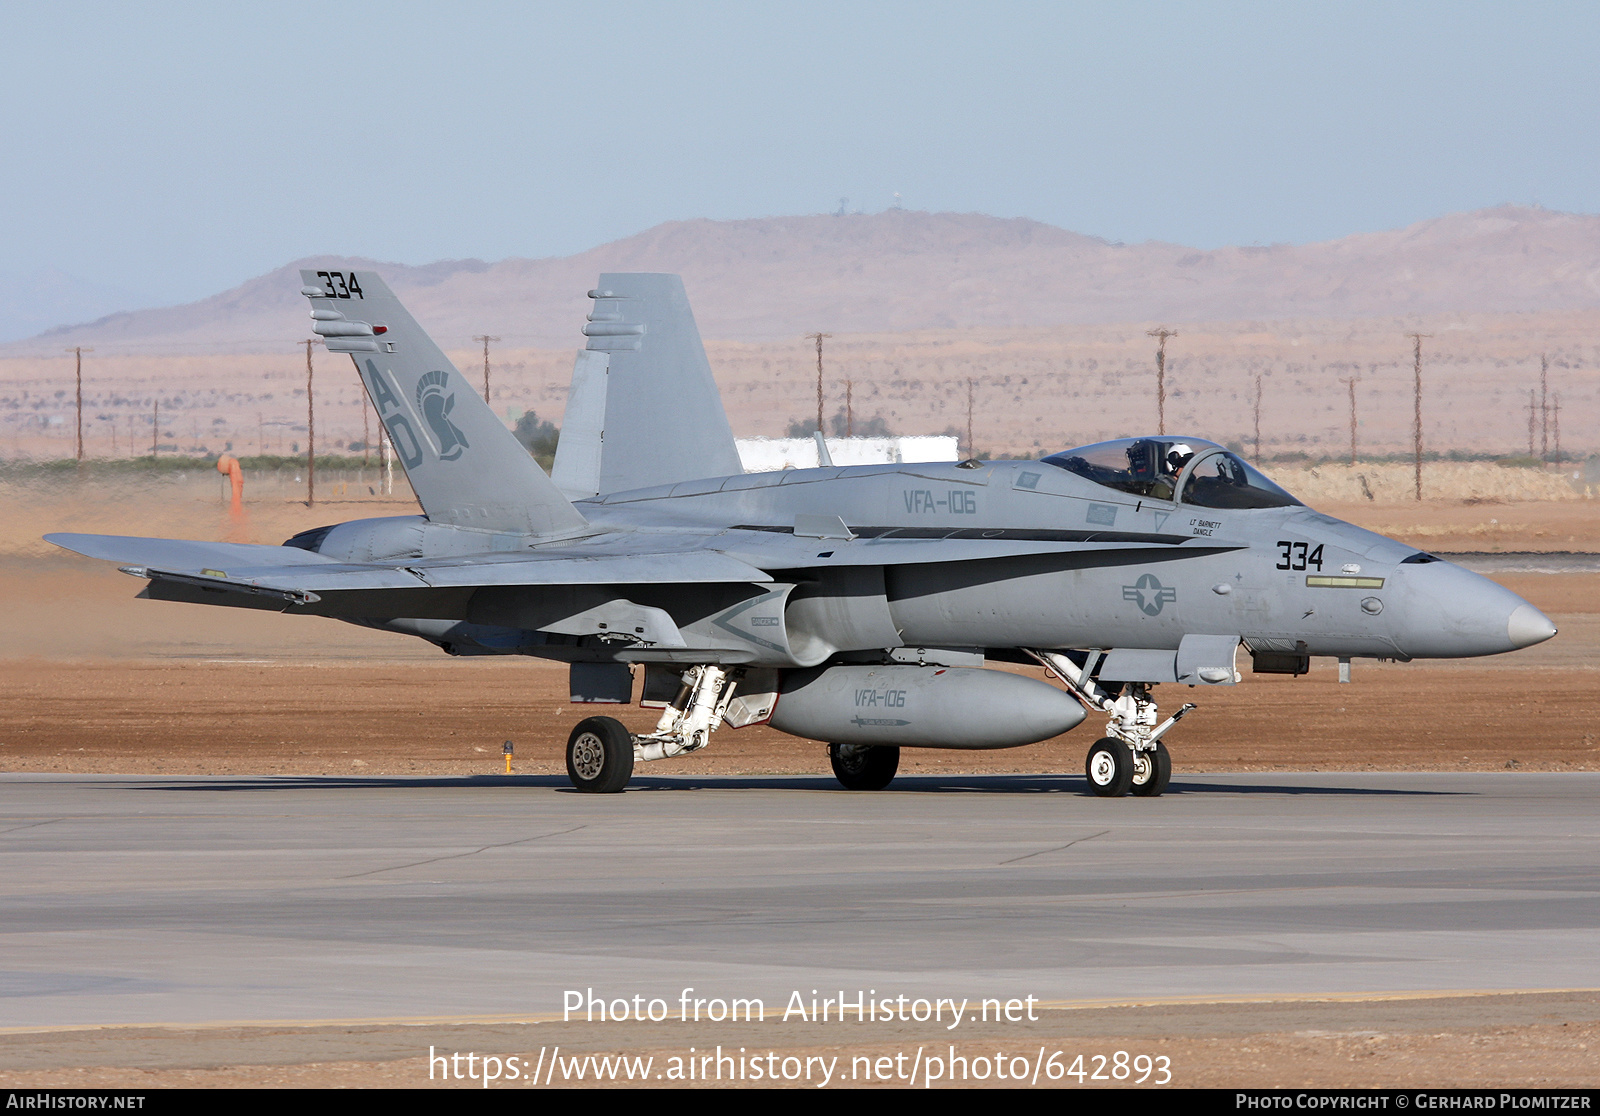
919 784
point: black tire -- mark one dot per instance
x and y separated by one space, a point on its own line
1152 771
864 766
1109 768
600 755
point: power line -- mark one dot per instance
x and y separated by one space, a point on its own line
485 339
1161 376
817 337
1258 419
1555 409
1352 382
1533 412
1544 407
311 430
1416 419
79 350
971 453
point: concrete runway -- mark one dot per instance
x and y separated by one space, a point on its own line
140 900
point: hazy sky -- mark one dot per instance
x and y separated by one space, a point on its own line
172 151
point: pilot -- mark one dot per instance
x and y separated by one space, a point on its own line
1177 456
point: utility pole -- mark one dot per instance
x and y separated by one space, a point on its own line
971 453
1352 382
1533 410
1555 416
486 339
817 337
849 410
1416 418
311 432
79 350
1544 407
1258 420
1161 376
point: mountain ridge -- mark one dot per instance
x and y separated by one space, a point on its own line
759 279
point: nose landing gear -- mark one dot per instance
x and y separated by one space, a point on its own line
1152 771
1130 758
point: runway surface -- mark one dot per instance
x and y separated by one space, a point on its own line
205 900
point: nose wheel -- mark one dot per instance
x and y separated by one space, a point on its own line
1109 768
1152 771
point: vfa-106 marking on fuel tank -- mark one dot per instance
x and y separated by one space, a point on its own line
647 546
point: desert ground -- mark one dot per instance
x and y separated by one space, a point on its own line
94 681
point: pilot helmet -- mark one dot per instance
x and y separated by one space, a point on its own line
1178 455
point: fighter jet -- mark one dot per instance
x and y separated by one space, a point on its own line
866 607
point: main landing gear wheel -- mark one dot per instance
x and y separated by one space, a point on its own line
864 766
1152 771
600 755
1109 768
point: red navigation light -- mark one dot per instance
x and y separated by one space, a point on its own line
380 329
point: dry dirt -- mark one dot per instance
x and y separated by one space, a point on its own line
92 680
1537 1040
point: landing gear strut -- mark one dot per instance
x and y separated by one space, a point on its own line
601 752
1132 740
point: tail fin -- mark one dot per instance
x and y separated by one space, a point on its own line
464 465
644 409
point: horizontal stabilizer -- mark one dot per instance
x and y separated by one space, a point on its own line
194 555
282 569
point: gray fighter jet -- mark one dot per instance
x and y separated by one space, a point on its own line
856 606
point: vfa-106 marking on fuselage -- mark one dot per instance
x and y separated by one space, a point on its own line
921 501
867 606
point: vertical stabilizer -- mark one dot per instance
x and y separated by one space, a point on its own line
577 466
659 416
464 465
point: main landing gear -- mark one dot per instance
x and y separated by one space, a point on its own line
1130 758
864 766
601 752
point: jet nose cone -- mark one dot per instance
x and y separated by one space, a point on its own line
1528 626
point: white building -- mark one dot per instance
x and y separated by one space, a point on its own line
764 455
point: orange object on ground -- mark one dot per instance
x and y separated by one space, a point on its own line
229 467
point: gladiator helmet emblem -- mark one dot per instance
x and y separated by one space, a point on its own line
436 406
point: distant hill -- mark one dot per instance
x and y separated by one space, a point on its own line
771 278
36 300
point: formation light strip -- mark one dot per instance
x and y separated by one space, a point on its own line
1318 582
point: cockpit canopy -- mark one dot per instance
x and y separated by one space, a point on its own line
1187 470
